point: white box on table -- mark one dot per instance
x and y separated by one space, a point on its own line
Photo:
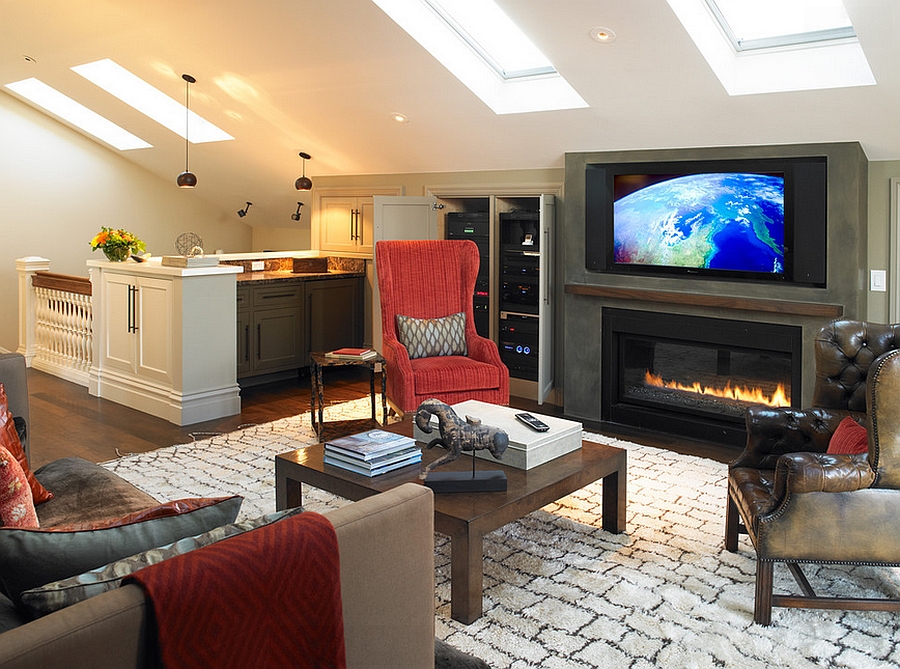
527 448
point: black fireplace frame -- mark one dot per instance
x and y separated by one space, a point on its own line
697 329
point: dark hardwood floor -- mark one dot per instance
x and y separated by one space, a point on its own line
67 421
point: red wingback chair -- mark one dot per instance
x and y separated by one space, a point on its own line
429 279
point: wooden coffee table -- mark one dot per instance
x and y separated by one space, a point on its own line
467 517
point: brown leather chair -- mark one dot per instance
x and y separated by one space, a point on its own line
801 505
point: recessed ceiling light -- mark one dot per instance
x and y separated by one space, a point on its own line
603 35
134 91
77 114
399 118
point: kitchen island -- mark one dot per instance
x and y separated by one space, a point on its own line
173 342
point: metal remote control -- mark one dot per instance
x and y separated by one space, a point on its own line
532 422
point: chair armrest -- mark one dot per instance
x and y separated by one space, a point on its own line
483 350
772 432
820 472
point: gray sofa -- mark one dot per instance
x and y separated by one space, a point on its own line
387 585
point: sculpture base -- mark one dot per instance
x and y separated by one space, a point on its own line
487 481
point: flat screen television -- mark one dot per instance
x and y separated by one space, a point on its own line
747 220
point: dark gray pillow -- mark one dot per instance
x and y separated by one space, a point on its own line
31 558
60 594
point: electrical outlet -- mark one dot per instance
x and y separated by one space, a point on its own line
878 280
257 265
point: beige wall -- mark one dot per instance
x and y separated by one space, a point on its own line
57 187
880 175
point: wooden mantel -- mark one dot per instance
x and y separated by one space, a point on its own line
814 309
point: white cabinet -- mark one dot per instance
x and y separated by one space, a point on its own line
345 219
158 344
139 316
346 224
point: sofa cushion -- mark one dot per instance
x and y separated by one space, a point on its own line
849 437
449 374
9 439
85 491
59 594
428 337
31 558
16 503
10 616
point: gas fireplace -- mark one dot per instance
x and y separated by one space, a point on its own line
695 376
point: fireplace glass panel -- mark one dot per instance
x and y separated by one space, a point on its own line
701 378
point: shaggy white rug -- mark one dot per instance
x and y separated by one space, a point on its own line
561 593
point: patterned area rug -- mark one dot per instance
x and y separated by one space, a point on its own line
561 593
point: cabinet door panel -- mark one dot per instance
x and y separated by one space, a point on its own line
335 311
278 335
155 329
244 343
338 223
365 230
118 346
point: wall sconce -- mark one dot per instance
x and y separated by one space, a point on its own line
243 212
296 216
303 182
187 179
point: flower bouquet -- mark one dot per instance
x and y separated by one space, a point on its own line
117 244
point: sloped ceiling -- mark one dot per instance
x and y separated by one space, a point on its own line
284 76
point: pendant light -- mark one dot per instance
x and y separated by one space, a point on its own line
304 182
187 179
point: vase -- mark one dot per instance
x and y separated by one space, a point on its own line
117 253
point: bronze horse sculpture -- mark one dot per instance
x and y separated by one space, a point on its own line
457 435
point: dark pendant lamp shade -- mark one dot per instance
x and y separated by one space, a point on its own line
187 179
304 182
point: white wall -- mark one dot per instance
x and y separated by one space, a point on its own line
57 188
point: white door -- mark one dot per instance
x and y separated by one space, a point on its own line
399 217
545 299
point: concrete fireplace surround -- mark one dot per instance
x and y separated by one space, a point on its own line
586 293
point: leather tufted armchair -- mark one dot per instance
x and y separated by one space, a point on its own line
801 505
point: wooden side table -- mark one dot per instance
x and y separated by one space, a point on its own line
337 428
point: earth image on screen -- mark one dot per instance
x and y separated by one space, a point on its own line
720 221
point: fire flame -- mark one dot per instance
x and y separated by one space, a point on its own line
755 395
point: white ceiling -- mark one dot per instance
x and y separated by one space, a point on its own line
324 76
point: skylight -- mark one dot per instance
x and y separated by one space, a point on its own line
134 91
767 46
763 24
77 114
481 46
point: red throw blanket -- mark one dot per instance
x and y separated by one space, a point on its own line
268 598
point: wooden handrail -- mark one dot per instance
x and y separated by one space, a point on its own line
70 284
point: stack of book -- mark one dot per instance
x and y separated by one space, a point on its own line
372 453
352 354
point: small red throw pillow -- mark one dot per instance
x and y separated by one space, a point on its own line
849 437
9 439
16 503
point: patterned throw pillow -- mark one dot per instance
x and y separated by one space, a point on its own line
428 337
60 594
9 439
16 503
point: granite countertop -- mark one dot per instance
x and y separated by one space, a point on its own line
283 275
299 269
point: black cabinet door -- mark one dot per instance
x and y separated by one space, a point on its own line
334 313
